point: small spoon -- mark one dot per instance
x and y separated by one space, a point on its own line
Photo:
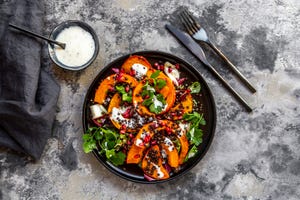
62 45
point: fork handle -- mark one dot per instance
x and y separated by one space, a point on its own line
230 88
232 67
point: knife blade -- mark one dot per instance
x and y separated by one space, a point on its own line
198 52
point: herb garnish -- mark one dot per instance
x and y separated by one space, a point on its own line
195 133
126 96
158 82
155 103
195 87
110 142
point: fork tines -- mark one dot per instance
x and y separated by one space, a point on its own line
189 22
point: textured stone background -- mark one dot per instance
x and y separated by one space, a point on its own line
253 156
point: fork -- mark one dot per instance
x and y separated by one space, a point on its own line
199 34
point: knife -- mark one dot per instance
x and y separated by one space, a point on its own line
198 52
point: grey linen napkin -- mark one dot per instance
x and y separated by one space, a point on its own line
28 94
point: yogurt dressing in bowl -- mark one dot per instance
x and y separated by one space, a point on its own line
80 46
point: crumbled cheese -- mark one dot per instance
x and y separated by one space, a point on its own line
140 70
169 144
184 127
97 111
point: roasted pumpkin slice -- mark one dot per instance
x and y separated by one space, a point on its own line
137 66
114 103
168 92
173 128
110 82
146 133
152 164
136 150
185 106
184 148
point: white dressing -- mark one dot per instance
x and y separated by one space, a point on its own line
140 70
171 71
80 46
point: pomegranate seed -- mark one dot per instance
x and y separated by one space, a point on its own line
156 65
147 96
122 131
131 135
116 70
123 126
147 139
122 70
132 72
119 77
127 88
169 130
111 88
170 69
177 66
136 156
153 142
128 142
142 144
155 125
188 90
180 117
162 123
127 114
181 80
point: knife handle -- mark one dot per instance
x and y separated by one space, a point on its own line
228 87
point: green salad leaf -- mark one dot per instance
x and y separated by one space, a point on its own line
192 152
155 74
110 142
195 87
195 133
126 96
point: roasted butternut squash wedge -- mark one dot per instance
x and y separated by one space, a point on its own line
185 106
172 153
135 153
110 82
137 66
152 164
146 133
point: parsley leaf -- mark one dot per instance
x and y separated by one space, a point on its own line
125 96
120 89
195 87
192 152
117 158
155 74
155 109
195 133
160 83
195 118
147 102
195 136
109 141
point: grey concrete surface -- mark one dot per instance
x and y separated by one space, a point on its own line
253 156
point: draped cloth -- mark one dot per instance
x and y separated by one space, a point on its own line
28 94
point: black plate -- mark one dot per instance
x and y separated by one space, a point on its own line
133 172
